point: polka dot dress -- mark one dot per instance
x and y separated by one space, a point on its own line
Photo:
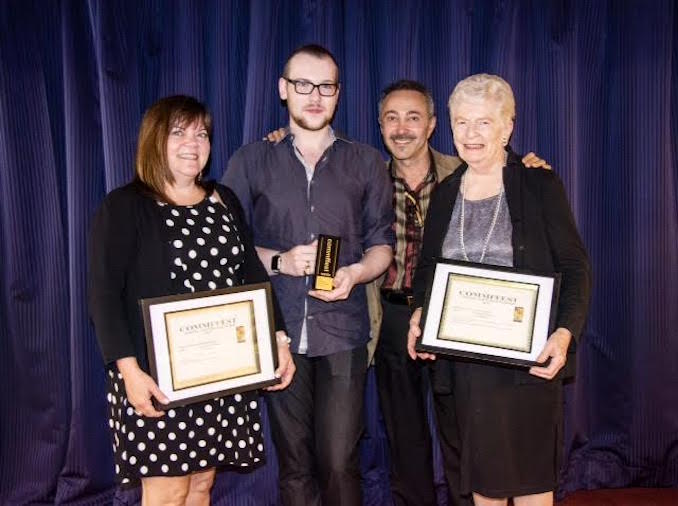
206 253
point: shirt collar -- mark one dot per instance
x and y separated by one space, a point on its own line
431 176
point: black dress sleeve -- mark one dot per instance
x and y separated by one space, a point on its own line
254 269
111 250
569 256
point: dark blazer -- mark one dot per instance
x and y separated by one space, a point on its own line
545 238
129 259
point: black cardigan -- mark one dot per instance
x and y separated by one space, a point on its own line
545 238
129 259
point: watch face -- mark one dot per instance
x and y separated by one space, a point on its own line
275 263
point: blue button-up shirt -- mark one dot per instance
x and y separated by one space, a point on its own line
349 195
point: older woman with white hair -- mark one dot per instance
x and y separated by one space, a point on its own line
504 422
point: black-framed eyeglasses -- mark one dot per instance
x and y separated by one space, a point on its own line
304 87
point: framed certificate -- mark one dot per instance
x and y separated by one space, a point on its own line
487 312
207 344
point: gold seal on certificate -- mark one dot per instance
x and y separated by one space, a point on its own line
326 261
488 312
205 344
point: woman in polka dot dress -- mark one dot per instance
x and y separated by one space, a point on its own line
168 232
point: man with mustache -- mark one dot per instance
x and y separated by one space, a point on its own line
317 182
407 120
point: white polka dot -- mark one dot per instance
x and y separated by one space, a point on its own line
173 275
229 281
177 261
117 469
240 420
211 431
200 241
235 250
224 423
226 228
220 457
169 222
182 425
110 423
130 411
223 261
203 264
225 218
192 253
209 220
132 460
173 457
183 446
213 451
214 252
190 221
202 443
199 422
174 212
152 457
184 467
141 447
197 276
220 437
192 454
234 432
191 434
151 435
206 230
217 273
188 284
164 468
190 413
222 239
212 285
162 447
143 470
194 212
171 436
130 436
185 231
123 429
231 409
184 267
228 444
177 243
140 423
208 408
210 209
203 463
161 423
253 404
256 426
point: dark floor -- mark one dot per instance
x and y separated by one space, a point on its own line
623 497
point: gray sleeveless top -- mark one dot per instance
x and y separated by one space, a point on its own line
478 216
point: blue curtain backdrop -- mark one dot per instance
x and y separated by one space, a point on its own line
597 89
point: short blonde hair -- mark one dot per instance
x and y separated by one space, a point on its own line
486 87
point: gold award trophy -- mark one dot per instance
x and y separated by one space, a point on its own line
326 261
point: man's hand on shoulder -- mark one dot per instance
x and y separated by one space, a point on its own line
532 161
276 136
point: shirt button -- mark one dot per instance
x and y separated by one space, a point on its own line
312 208
309 317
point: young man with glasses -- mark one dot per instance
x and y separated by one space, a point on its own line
316 182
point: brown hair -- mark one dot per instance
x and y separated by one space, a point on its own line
314 50
152 168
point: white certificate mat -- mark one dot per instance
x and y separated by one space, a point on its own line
487 312
211 343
